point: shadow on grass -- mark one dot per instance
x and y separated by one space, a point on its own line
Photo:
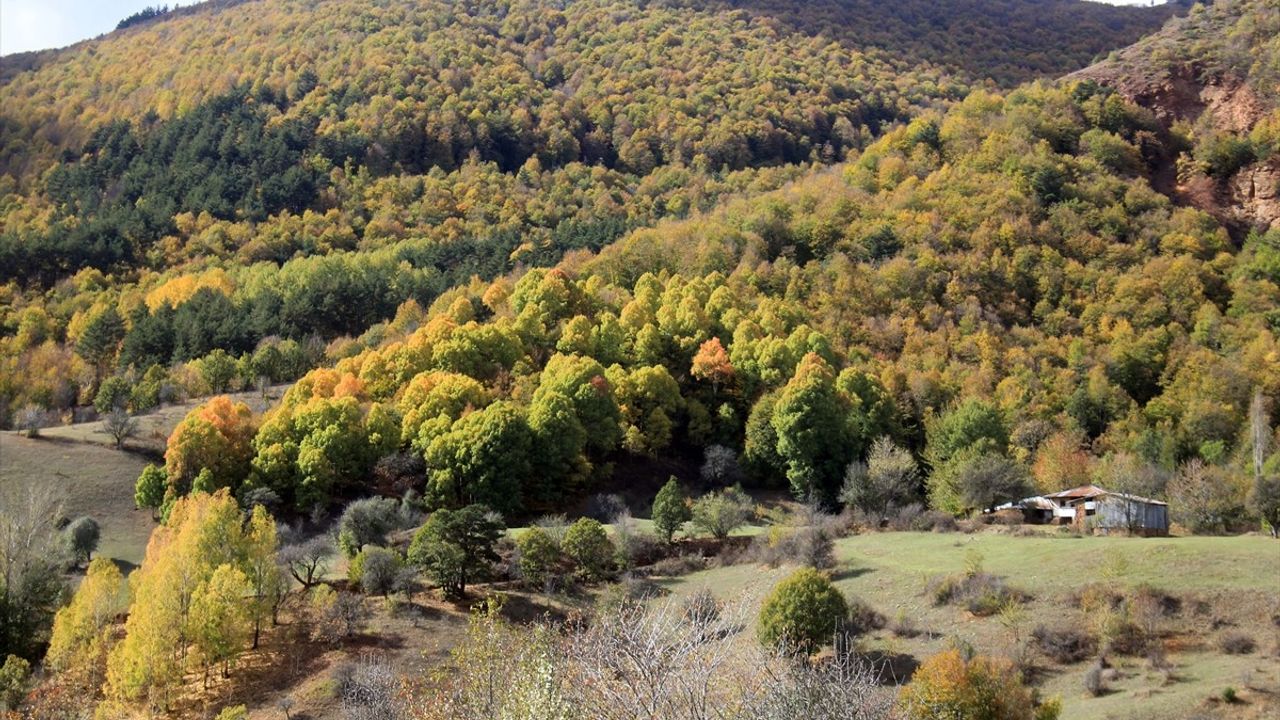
849 573
892 668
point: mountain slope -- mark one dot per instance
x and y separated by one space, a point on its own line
1213 78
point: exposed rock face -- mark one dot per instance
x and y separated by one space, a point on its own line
1254 194
1248 199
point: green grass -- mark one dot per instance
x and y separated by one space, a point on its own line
1238 576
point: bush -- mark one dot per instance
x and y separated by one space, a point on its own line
701 608
234 712
14 674
720 513
949 685
375 570
802 613
678 565
862 617
1236 643
981 593
1094 683
588 545
1064 646
782 545
538 556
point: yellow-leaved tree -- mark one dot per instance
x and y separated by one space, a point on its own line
204 533
81 630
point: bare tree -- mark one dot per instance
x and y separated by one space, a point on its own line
120 425
307 561
647 662
370 690
30 563
30 419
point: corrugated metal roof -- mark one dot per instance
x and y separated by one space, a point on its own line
1084 491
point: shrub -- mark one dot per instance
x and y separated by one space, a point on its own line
803 612
981 593
538 556
678 565
1236 643
375 570
862 617
1094 683
701 608
794 546
949 685
1064 646
234 712
588 545
14 674
720 513
1229 696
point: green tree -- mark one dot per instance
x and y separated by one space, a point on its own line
100 340
82 536
113 394
802 613
814 442
484 458
587 544
670 510
455 547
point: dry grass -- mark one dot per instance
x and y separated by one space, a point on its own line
93 480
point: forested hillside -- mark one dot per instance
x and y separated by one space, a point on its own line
237 173
516 266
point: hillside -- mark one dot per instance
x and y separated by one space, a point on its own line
155 178
1213 77
643 360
